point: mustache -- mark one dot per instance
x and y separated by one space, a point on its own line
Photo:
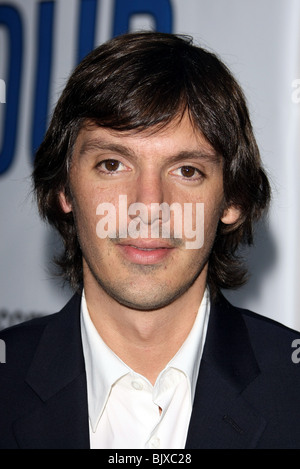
161 238
173 241
156 230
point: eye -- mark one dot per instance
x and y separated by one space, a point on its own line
188 172
111 166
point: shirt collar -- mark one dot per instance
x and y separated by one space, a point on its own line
188 357
104 367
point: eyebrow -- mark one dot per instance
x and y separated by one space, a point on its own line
96 144
206 155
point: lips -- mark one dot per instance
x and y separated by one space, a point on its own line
145 252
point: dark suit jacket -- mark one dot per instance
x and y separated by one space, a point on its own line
247 394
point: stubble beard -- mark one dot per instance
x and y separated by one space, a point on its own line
159 296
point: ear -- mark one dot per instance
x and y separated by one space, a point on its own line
231 215
64 203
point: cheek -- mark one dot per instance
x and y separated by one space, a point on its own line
212 215
84 206
96 213
206 210
85 220
87 197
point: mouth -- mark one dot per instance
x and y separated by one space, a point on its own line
145 252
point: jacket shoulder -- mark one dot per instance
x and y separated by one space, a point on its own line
263 326
259 323
274 343
21 340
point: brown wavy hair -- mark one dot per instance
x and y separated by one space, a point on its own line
144 80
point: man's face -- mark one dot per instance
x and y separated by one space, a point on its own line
113 170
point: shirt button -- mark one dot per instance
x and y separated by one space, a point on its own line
137 385
155 442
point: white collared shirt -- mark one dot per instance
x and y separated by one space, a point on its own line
125 410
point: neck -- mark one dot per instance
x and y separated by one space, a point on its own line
145 340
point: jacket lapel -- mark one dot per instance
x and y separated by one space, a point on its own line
59 416
221 418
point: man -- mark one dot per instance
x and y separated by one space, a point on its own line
151 174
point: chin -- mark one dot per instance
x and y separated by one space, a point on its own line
149 301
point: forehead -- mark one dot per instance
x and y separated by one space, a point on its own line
177 137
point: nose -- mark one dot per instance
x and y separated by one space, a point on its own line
149 195
150 189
